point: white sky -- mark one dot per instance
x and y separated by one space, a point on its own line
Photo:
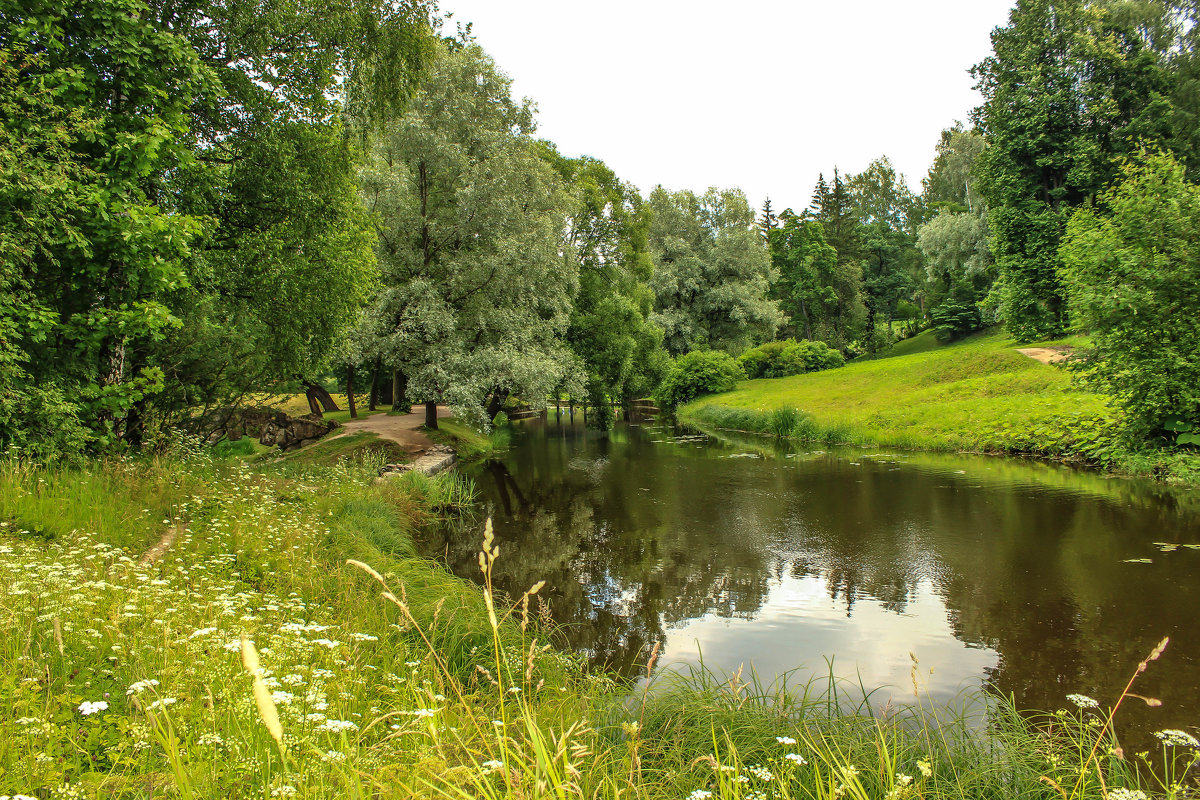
759 94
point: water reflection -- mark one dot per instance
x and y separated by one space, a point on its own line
1018 573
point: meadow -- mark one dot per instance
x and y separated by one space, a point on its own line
201 627
978 395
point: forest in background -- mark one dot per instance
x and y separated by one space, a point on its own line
202 203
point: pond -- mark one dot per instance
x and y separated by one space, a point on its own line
1037 579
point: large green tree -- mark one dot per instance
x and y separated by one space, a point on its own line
1067 91
958 261
1131 267
712 272
820 294
477 273
213 241
888 214
610 330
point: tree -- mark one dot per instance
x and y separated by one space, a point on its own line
711 272
768 222
477 278
1131 267
888 214
610 330
958 262
951 183
820 295
1067 91
217 244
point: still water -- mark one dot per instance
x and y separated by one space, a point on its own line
1037 579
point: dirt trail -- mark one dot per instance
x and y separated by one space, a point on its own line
400 429
1046 355
164 544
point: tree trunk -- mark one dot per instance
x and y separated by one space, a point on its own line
374 398
400 392
313 406
431 414
316 393
496 402
350 391
807 326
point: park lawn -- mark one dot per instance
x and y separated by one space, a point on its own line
296 405
979 394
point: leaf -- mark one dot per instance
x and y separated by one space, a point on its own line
1138 561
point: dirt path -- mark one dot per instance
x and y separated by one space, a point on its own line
400 429
1046 355
164 544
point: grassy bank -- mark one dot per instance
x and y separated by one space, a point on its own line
978 395
190 627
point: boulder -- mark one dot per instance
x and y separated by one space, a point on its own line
289 433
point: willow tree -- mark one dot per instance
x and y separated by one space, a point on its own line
712 272
477 279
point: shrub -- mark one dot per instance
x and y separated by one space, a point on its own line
1132 277
696 373
789 357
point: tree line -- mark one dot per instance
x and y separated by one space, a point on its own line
202 202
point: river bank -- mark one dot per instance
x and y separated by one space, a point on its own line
378 674
980 395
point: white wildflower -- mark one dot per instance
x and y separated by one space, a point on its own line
796 758
785 740
1172 737
1083 701
89 707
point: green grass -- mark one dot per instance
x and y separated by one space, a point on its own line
468 443
359 447
123 678
976 395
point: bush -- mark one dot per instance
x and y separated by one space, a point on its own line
789 357
1132 276
696 373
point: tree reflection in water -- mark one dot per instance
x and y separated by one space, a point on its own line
1004 570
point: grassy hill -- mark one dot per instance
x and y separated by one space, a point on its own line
979 394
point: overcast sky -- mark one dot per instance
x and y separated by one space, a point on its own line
759 94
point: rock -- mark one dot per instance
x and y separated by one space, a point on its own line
434 460
290 433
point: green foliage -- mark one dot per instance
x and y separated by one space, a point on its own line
1067 92
476 278
712 274
888 214
819 292
789 357
1132 270
179 223
610 330
698 373
954 319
